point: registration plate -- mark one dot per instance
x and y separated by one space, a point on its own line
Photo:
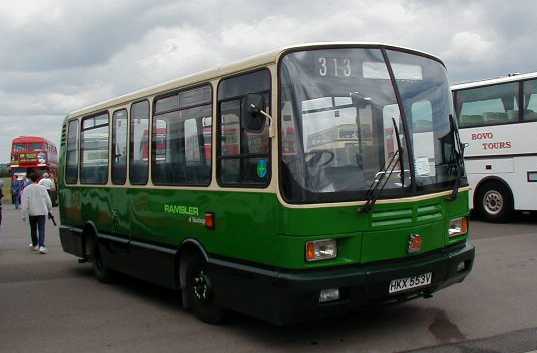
401 284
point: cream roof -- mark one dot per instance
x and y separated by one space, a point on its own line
203 76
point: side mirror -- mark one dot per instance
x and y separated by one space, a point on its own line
253 118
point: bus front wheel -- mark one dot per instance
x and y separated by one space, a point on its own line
494 202
199 291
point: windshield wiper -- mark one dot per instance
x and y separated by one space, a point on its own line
384 174
459 158
399 148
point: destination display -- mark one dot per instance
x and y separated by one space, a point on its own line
336 66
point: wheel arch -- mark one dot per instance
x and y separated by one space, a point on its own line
188 246
490 179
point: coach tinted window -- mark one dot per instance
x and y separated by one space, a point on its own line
71 165
243 156
530 100
182 138
94 150
119 147
139 143
490 105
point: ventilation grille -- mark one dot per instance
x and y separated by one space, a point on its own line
429 213
391 218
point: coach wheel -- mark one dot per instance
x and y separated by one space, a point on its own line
199 291
495 203
101 272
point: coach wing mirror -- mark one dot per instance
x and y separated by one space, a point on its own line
255 118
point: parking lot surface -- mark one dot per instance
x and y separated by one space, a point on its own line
50 303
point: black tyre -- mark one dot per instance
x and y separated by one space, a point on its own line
494 202
199 291
101 272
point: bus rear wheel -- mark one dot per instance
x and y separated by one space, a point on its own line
199 291
494 202
101 272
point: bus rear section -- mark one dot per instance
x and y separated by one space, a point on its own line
498 122
336 181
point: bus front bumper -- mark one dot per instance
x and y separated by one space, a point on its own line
284 297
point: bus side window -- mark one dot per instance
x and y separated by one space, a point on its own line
530 100
119 147
196 118
71 165
181 138
94 149
491 105
243 156
139 143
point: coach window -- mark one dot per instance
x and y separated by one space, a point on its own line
94 149
181 138
243 156
490 105
119 147
530 100
139 143
71 165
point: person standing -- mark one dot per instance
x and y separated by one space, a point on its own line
49 184
17 189
36 205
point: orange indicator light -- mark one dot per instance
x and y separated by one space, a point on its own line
310 251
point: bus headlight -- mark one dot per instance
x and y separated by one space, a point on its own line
458 226
321 250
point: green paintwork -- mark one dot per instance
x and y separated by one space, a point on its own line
256 227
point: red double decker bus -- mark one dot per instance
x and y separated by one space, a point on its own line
33 153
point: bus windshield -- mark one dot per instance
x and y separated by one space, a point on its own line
339 117
35 146
19 147
27 147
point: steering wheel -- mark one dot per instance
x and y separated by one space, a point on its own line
316 157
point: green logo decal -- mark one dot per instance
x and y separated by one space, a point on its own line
181 210
262 168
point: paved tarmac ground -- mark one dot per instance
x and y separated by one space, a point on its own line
50 303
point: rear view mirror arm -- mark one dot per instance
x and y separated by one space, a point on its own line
269 119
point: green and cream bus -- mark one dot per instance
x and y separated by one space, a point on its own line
300 183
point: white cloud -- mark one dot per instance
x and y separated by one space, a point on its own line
20 13
469 47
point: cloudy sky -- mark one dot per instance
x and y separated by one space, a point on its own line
60 55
